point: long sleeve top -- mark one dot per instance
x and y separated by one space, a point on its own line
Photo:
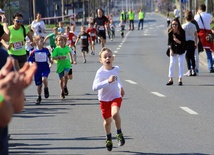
177 48
107 91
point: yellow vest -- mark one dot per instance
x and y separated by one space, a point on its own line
141 15
131 15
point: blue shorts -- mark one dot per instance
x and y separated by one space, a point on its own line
39 74
66 70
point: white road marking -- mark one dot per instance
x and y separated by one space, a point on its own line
118 48
158 94
115 51
130 81
190 111
120 45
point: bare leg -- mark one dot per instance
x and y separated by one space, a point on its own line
116 116
107 125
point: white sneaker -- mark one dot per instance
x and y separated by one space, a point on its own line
188 73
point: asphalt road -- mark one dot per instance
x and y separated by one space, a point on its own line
156 119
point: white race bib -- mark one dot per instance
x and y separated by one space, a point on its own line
40 57
18 45
101 28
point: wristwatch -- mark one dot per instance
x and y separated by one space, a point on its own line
1 100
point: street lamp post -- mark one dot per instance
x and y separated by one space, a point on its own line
63 10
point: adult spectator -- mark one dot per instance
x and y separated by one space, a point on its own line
204 20
176 12
176 43
141 16
16 45
11 88
131 19
4 32
99 23
191 43
123 16
38 26
12 85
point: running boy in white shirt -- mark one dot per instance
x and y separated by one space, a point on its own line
110 93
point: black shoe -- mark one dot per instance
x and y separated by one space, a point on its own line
46 92
169 83
109 145
120 139
180 83
38 100
212 71
62 95
66 91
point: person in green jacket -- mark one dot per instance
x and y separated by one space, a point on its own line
131 19
141 16
123 16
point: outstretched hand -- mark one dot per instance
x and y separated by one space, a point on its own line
13 83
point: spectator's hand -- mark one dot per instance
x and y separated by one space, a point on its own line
12 84
3 18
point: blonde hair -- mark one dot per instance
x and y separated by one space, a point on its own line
103 50
55 28
60 37
36 39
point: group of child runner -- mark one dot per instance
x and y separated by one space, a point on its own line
63 42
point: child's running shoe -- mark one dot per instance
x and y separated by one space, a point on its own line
38 100
66 91
109 145
62 95
46 92
120 139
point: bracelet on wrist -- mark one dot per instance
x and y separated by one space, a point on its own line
1 100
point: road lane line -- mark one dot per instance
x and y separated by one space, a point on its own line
190 111
158 94
130 81
115 51
118 48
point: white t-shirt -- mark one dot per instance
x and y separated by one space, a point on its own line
190 31
39 28
107 91
176 13
207 19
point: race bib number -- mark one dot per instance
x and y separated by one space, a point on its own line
74 39
40 57
18 45
101 28
92 34
83 37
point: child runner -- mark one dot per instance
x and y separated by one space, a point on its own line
70 44
92 32
62 54
28 44
122 26
61 29
52 38
112 28
110 93
41 55
84 42
71 39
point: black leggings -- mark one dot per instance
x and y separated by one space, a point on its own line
190 54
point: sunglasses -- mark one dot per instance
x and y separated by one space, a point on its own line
175 24
19 21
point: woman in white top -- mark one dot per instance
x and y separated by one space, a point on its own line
38 26
191 43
